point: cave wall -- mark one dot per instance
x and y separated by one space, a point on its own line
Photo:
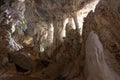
105 23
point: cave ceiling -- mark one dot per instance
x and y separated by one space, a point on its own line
49 10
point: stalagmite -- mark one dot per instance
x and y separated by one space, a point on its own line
96 67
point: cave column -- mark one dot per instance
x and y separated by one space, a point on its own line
55 36
50 38
58 32
50 35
